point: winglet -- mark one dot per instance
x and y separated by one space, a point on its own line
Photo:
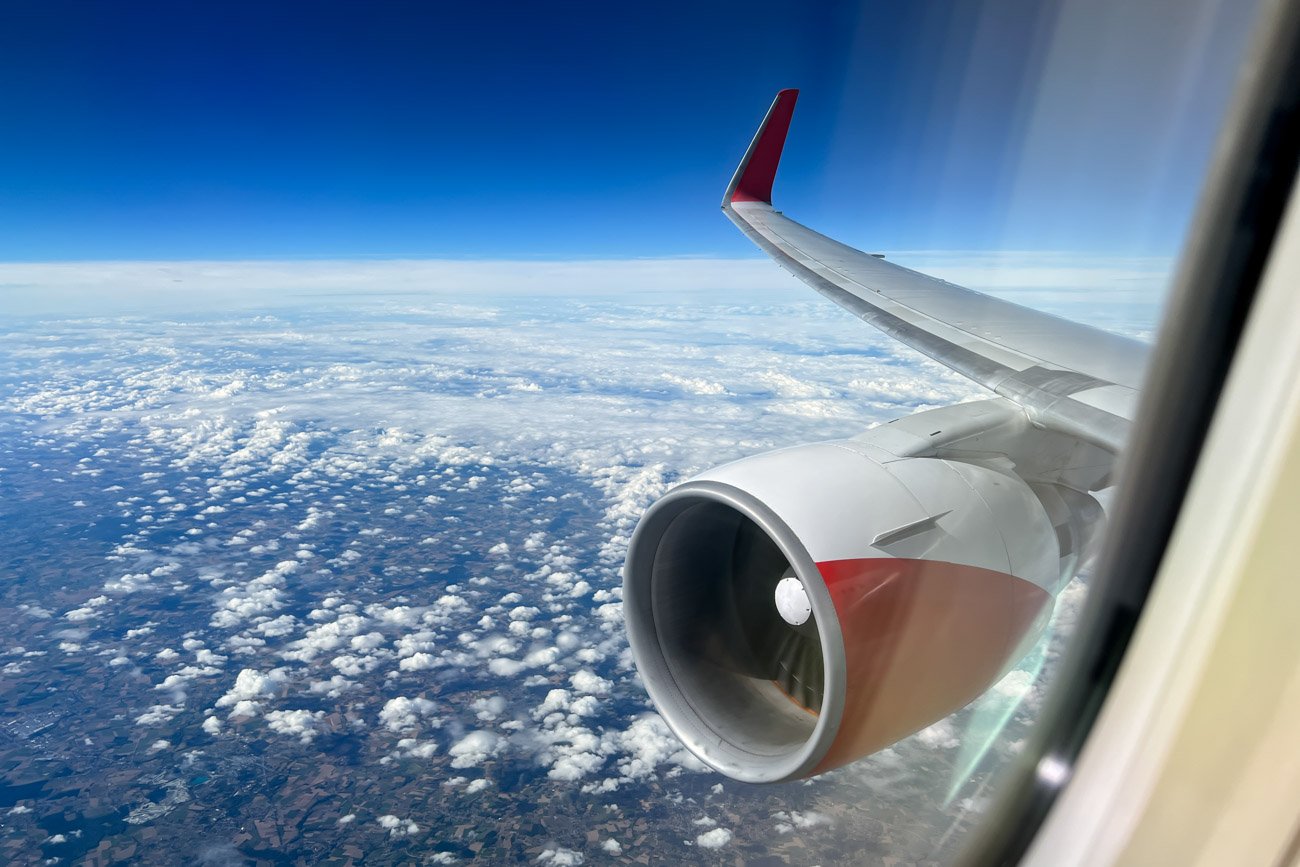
752 181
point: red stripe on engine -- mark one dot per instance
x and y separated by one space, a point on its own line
922 639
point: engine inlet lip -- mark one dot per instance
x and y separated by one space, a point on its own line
669 698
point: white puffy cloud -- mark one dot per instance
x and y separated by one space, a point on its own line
788 822
334 687
88 611
302 724
422 641
645 745
474 749
506 667
398 827
277 627
808 819
586 682
355 666
395 616
157 714
404 714
556 700
208 658
941 735
325 637
415 748
366 643
488 709
249 689
262 595
715 839
450 603
575 757
561 857
418 661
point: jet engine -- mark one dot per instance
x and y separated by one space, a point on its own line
797 610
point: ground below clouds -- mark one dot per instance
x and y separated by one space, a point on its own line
344 583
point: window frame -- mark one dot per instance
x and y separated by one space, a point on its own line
1237 219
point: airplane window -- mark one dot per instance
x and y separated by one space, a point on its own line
402 460
911 666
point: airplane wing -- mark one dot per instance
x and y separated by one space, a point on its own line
1067 376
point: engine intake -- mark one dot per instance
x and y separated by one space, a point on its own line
927 578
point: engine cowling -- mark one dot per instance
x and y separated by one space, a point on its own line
917 582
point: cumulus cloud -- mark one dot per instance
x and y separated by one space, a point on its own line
941 735
715 839
788 822
88 611
249 689
302 724
574 752
645 745
404 714
418 661
157 714
398 827
262 595
474 749
488 709
586 682
506 667
325 637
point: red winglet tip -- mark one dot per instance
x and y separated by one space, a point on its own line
753 180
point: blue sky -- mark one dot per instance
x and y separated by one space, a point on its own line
579 130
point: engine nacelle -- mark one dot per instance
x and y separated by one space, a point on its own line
797 610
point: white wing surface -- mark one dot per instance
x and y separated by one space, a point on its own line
1068 376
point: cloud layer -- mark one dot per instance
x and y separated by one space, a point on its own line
399 520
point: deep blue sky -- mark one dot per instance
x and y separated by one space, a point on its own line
317 129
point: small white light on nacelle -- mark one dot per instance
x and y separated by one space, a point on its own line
1053 771
792 601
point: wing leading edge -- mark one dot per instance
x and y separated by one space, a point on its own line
1068 376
